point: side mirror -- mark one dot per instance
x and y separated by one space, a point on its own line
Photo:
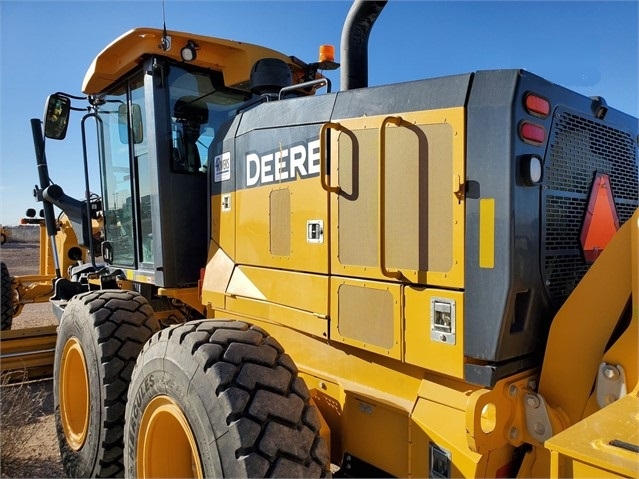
56 116
136 123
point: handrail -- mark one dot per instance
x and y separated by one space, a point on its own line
381 193
323 171
320 82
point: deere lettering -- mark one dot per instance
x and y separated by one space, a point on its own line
283 164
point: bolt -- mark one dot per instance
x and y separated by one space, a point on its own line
539 429
512 391
513 433
611 372
532 384
532 400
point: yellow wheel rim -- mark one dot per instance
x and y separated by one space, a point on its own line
166 446
74 394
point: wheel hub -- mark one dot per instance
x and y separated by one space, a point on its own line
166 444
74 394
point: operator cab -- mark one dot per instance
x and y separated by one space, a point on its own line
155 127
154 168
157 113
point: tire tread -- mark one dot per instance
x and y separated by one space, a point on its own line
6 299
123 321
265 403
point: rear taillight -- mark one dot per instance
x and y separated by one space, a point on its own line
537 105
532 133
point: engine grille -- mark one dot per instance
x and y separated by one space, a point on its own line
579 148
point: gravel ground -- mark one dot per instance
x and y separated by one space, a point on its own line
40 456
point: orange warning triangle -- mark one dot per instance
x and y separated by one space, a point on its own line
601 221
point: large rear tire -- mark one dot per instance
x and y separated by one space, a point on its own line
226 401
100 336
7 298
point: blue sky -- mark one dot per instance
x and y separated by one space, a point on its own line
589 46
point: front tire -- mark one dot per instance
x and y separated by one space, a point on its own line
226 400
7 298
99 338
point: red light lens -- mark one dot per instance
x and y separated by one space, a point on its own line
537 105
532 133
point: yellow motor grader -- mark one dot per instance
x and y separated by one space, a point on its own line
28 352
436 278
61 247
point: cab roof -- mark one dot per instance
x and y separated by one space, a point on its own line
234 59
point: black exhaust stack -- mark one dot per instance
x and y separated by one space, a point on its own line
355 33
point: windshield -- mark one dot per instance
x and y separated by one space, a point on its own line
197 109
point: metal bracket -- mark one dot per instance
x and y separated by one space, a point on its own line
611 384
537 419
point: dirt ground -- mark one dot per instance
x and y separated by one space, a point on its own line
40 457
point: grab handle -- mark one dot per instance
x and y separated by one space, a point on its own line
381 195
323 161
